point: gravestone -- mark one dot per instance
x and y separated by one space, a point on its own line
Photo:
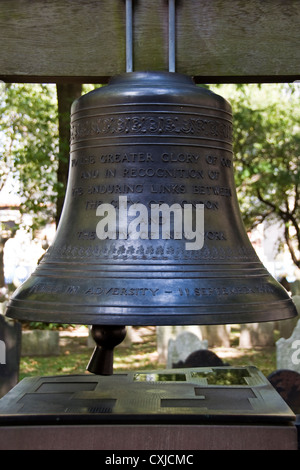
213 335
201 358
10 352
166 333
40 343
181 347
288 351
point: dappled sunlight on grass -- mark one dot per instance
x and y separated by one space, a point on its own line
140 354
53 365
136 361
262 358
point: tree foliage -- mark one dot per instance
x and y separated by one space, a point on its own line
267 156
29 147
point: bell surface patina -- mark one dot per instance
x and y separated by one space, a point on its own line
151 232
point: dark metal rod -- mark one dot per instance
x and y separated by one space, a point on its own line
171 35
129 45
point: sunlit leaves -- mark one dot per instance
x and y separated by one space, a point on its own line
267 154
28 149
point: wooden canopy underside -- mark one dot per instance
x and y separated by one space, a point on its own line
84 41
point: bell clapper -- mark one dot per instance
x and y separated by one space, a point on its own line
106 337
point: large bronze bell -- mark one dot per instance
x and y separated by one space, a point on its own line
145 148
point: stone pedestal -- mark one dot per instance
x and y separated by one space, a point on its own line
145 437
222 408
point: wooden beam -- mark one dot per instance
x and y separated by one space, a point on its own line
84 41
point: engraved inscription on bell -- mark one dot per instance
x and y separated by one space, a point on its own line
151 231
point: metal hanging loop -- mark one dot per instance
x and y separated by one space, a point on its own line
129 36
129 43
172 36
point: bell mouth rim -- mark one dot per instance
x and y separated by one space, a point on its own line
219 314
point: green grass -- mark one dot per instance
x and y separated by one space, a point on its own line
262 358
74 357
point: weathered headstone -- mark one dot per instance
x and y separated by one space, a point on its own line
165 333
288 351
180 348
201 358
40 343
10 351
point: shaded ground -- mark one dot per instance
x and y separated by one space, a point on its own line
141 354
